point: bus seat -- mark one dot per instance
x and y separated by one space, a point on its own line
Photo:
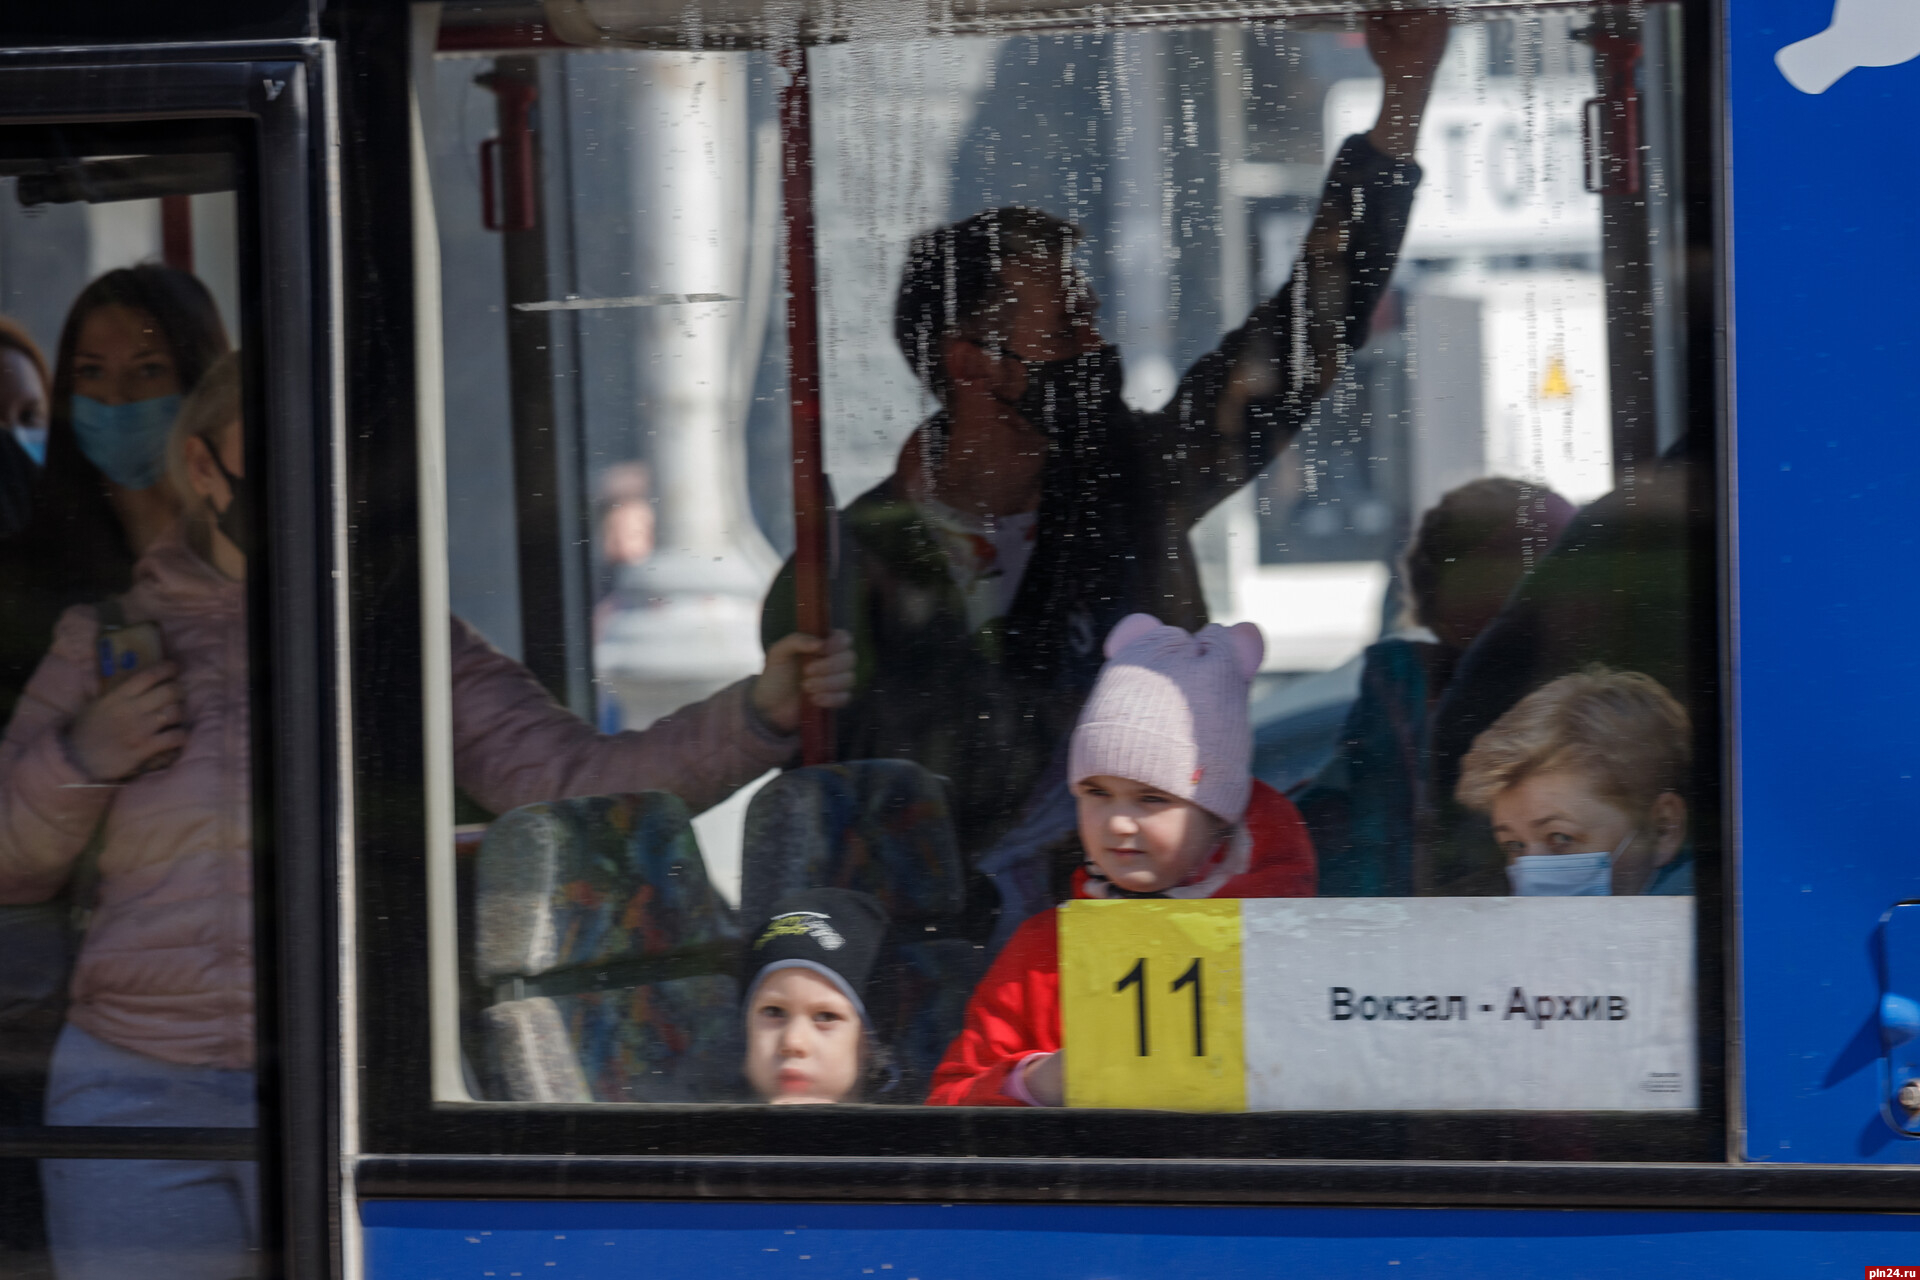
884 827
880 826
610 955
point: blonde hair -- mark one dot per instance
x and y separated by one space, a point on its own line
1620 729
208 412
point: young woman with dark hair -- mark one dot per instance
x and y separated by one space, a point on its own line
135 342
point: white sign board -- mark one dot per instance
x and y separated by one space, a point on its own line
1449 1004
1502 161
1380 1004
1544 388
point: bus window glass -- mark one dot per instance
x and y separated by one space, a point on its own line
126 811
1260 667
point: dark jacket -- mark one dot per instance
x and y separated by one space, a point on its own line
1620 588
988 709
1366 809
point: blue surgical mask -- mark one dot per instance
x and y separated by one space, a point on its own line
128 442
1565 875
34 441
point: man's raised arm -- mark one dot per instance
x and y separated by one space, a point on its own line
1242 403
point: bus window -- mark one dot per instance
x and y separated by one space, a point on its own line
1256 496
127 841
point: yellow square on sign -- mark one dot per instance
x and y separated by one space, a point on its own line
1150 1005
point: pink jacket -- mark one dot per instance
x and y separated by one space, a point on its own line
167 965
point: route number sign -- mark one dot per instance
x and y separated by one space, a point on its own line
1367 1004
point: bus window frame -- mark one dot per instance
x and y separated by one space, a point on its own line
976 1152
271 101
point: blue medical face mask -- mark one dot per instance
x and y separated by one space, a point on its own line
34 441
128 442
1565 875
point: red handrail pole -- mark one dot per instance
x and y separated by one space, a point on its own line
176 232
517 153
812 509
512 150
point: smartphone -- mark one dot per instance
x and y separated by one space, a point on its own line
124 650
127 649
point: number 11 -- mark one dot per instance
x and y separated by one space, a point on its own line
1137 979
1191 978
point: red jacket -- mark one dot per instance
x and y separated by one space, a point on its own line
1015 1011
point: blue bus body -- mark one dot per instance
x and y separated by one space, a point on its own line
455 1241
1820 431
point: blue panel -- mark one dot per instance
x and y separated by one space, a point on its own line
1826 272
476 1241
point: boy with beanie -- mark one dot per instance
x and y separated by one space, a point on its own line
1159 764
809 1037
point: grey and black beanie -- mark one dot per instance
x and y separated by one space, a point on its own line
836 933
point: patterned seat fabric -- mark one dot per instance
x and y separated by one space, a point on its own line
565 885
884 827
880 826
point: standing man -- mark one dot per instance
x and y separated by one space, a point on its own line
1036 509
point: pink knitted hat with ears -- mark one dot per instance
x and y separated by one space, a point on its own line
1170 710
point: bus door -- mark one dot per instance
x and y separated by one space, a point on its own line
169 458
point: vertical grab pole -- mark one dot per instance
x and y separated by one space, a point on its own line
1613 162
176 232
812 509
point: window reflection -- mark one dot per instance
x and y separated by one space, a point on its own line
1226 430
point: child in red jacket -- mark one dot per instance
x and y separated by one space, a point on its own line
1168 809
